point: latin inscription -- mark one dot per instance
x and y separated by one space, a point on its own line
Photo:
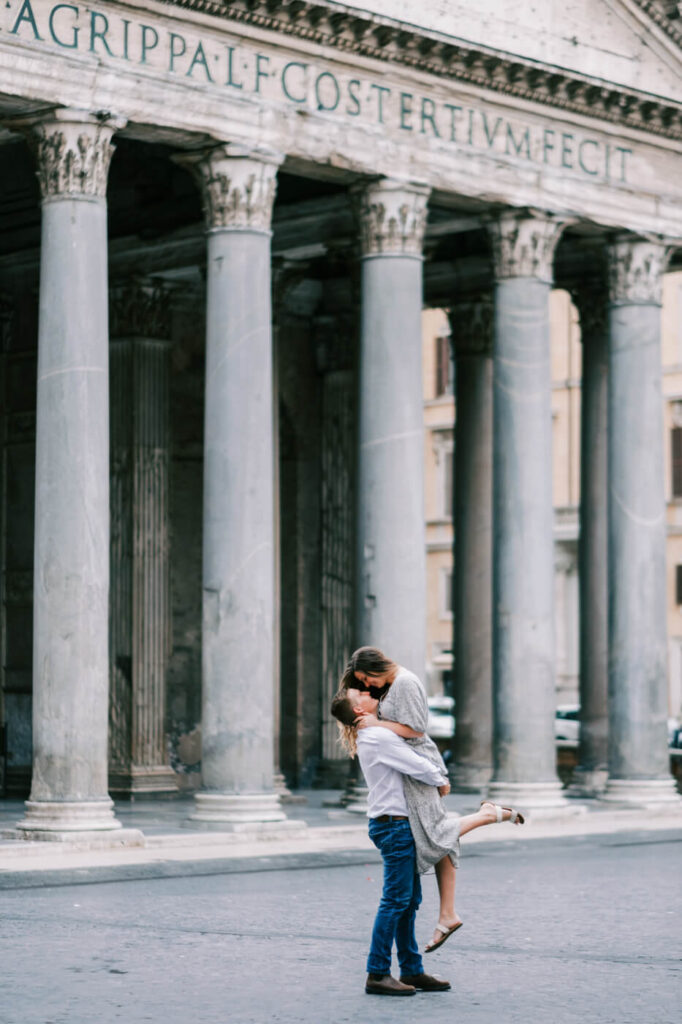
303 84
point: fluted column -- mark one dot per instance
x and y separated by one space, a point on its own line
391 552
71 573
239 527
140 614
638 754
589 778
472 339
523 547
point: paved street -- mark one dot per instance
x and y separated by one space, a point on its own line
579 929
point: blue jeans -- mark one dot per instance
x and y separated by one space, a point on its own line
399 901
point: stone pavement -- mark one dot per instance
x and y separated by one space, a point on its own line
557 931
325 834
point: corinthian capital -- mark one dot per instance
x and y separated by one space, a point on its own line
524 244
237 189
73 151
141 308
636 271
391 217
472 326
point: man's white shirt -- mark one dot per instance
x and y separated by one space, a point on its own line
384 759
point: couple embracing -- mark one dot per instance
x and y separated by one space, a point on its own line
381 709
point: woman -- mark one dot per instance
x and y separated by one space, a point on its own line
404 710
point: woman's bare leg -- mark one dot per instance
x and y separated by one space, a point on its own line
446 876
446 873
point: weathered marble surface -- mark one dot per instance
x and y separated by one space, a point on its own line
638 759
239 529
391 558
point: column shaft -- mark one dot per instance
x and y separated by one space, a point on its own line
390 606
591 772
71 574
472 638
638 755
239 526
523 546
140 617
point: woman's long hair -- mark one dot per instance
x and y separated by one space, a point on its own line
345 716
368 660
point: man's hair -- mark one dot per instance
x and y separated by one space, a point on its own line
343 710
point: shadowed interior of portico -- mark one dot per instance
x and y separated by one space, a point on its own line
157 292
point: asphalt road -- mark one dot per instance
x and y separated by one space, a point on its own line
582 930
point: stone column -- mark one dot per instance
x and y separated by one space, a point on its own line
139 607
391 550
591 772
638 754
472 337
239 527
71 573
523 546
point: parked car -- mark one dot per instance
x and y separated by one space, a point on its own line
567 722
441 720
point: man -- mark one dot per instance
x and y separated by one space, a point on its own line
385 759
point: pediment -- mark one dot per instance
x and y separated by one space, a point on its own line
628 43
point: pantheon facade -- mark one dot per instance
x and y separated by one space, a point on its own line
220 222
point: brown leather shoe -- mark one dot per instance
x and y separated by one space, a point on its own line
387 985
426 982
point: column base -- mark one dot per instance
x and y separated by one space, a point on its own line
648 793
284 793
112 839
227 810
587 783
354 800
469 778
68 817
158 780
537 799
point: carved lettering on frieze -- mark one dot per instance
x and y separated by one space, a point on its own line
391 218
636 271
524 244
472 326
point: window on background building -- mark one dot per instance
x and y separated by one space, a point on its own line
676 466
444 369
443 447
448 469
446 593
678 584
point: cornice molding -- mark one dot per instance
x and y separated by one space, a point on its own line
663 18
382 39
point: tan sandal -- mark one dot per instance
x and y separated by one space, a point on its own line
515 817
446 933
